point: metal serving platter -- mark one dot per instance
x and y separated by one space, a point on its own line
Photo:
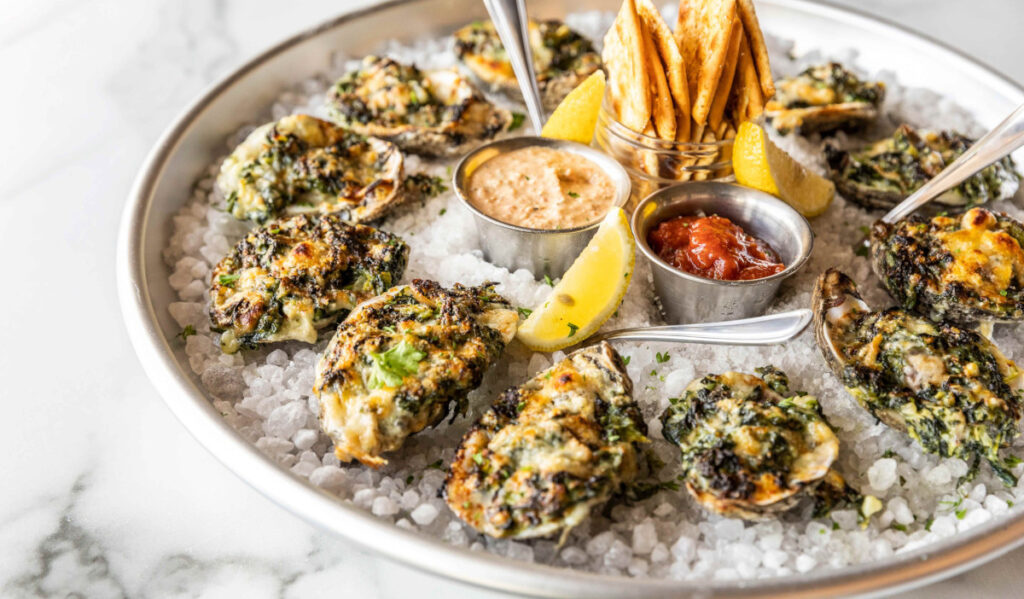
189 145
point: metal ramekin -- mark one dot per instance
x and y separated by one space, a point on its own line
689 298
541 251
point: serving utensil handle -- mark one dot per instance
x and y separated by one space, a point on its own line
761 330
512 25
1005 138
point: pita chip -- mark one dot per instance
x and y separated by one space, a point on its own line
704 29
672 60
624 56
725 84
758 48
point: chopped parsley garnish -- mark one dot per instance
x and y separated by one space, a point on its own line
1003 293
835 525
435 465
443 210
521 406
518 119
228 279
900 527
573 194
409 479
524 312
186 332
572 329
928 524
662 357
960 513
390 367
478 458
625 360
548 281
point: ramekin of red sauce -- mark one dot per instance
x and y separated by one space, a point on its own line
713 247
692 232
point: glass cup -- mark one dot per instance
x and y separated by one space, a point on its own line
654 163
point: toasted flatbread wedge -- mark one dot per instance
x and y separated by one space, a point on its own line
663 112
703 30
757 47
623 54
672 60
749 101
648 159
725 84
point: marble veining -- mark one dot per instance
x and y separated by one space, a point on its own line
104 493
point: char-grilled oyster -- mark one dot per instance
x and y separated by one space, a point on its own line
824 98
948 388
886 172
430 112
965 268
562 58
750 448
550 450
403 360
291 277
302 164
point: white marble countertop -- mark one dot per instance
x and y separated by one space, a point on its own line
104 493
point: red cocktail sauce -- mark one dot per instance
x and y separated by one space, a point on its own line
713 247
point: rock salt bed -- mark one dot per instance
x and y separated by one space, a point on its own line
265 394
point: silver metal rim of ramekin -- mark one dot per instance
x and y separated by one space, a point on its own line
611 167
680 190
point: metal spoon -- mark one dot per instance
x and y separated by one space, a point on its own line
512 25
997 143
761 330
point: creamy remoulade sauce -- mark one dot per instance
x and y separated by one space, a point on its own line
713 247
541 188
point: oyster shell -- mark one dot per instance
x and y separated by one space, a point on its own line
562 58
549 451
948 388
824 98
303 164
294 276
965 268
750 448
403 360
886 172
435 113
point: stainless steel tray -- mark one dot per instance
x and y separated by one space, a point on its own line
197 137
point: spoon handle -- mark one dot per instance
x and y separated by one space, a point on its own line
762 330
512 25
1005 138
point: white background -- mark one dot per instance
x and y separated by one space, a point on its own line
102 492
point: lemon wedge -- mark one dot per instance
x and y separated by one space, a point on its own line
589 292
760 164
575 118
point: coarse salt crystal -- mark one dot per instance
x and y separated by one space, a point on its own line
304 438
331 478
574 556
805 563
882 474
644 537
684 549
384 506
424 515
600 543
